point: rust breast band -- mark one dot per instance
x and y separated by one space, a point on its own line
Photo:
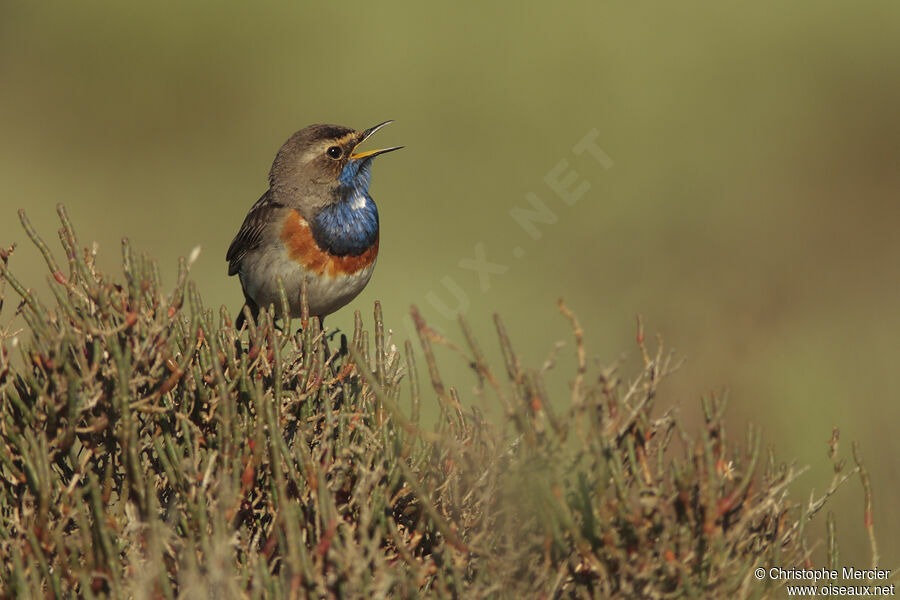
303 249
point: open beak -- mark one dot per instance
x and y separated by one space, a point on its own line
371 153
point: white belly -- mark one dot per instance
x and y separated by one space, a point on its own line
325 293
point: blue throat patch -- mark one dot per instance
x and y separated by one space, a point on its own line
350 225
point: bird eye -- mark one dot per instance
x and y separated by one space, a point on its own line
334 152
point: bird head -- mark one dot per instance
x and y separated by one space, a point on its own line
320 165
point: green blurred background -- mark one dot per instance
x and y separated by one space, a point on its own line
750 212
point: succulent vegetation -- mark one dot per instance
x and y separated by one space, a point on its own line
150 450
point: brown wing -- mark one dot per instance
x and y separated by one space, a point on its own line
251 232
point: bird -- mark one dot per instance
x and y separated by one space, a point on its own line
317 221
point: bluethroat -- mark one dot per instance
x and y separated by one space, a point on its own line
317 221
